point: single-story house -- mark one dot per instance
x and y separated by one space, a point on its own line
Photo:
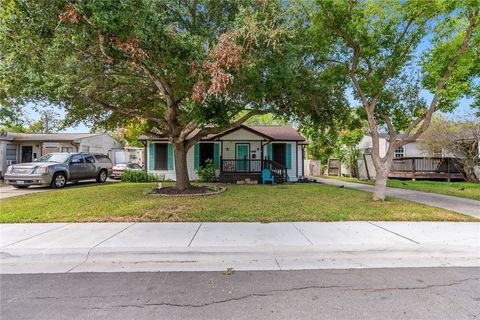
26 147
409 150
410 161
238 154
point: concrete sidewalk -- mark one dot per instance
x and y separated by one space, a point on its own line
460 205
114 247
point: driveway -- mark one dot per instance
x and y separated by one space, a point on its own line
461 205
7 191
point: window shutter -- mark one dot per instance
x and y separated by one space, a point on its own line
170 157
196 156
288 156
151 156
269 151
216 156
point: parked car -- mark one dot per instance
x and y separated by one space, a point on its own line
56 169
120 168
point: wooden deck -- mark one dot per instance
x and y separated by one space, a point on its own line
426 168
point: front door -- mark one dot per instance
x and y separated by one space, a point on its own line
27 153
242 157
279 153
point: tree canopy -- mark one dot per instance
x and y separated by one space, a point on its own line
183 67
391 50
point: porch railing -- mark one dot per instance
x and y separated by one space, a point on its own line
252 166
425 165
241 165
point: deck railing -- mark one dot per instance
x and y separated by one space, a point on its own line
445 165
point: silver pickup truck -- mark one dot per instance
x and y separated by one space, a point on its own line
55 169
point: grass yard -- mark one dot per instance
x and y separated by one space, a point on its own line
459 189
293 202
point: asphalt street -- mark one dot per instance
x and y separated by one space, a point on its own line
402 293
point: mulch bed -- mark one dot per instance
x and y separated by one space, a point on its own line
193 191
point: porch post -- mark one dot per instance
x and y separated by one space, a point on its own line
448 169
413 169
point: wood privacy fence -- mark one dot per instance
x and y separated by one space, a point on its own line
334 167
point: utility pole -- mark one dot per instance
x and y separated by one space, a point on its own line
45 124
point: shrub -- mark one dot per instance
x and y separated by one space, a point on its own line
207 172
140 176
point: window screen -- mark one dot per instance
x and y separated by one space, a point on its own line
161 156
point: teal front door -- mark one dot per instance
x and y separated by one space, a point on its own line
242 157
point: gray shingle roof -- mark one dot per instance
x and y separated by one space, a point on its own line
279 133
11 136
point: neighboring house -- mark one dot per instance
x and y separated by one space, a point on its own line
237 154
26 147
409 150
410 161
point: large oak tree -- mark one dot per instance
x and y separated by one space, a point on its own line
183 67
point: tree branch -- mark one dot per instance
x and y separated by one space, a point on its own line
127 111
215 130
427 117
160 82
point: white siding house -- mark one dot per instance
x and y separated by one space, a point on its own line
409 150
238 153
409 162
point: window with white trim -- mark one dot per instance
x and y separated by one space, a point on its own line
399 152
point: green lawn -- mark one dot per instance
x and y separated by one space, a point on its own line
293 202
459 189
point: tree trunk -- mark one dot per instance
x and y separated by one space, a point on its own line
382 168
469 170
181 169
381 183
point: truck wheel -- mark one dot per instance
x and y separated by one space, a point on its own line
102 176
59 181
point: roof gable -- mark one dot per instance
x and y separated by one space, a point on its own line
242 133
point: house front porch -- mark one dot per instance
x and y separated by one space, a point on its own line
233 170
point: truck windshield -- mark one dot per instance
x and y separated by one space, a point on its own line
54 157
